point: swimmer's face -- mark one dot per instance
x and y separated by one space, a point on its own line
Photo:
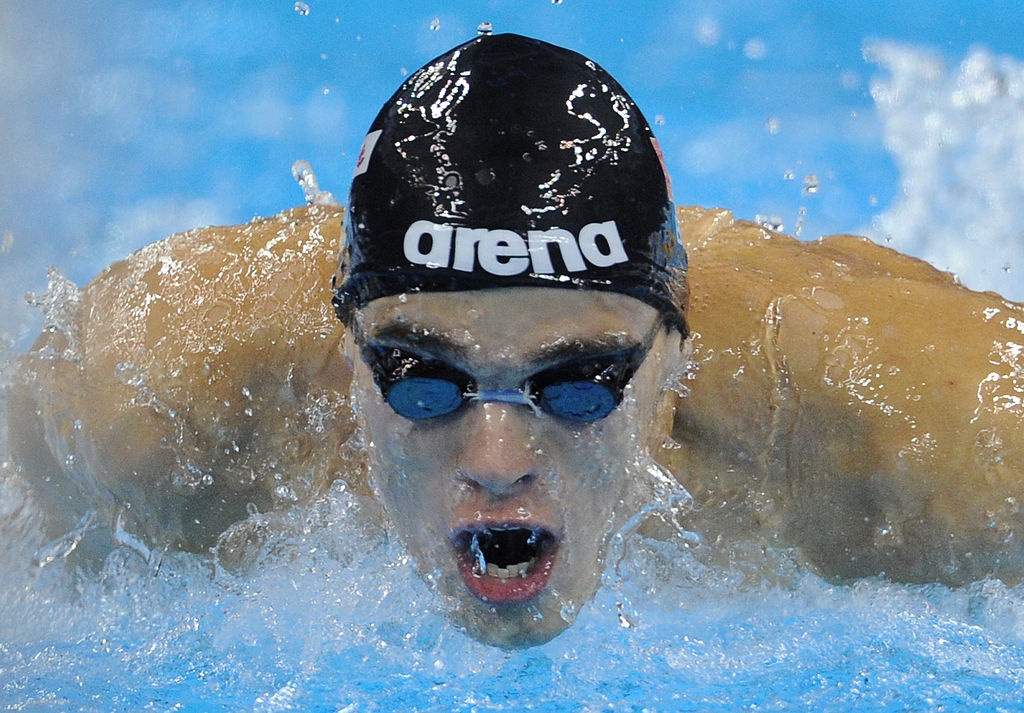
507 505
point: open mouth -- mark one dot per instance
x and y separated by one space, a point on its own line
505 564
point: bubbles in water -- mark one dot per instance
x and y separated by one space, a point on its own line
301 8
484 29
435 24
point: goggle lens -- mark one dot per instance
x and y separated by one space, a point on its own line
420 397
578 400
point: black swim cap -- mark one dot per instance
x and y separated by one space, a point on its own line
511 162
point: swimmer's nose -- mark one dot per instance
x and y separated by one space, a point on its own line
496 455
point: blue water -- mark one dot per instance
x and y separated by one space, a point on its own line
127 121
333 618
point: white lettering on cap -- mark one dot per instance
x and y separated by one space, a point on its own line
540 240
505 252
439 245
616 253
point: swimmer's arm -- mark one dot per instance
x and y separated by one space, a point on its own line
872 403
201 377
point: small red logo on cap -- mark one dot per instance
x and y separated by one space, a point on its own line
363 162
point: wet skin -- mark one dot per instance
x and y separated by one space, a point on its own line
846 403
539 495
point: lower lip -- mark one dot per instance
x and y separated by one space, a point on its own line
515 590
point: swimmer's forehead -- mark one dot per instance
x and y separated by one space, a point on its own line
509 324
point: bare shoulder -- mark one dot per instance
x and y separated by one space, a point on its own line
196 349
878 404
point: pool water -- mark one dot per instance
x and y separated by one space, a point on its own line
332 617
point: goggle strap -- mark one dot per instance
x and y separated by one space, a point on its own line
505 396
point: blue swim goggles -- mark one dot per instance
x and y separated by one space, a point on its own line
581 389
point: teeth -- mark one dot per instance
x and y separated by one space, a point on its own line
513 570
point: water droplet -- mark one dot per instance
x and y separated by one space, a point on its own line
484 29
624 621
708 32
772 222
435 24
801 216
306 178
772 124
556 2
301 8
810 184
1007 267
65 544
284 493
788 176
485 176
659 120
755 49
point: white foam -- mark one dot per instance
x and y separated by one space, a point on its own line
957 137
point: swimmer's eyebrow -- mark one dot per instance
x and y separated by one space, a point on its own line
397 334
401 334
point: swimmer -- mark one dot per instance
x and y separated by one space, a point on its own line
514 327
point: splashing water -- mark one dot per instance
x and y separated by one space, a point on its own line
303 173
61 307
958 139
331 615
